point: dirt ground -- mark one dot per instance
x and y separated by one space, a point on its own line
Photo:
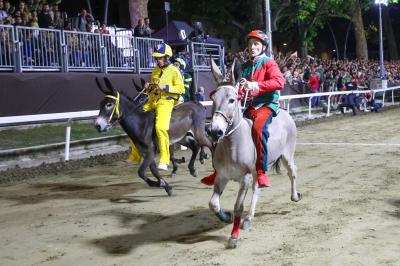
105 215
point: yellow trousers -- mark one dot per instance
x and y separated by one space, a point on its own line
163 109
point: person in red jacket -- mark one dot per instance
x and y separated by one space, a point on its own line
262 77
314 87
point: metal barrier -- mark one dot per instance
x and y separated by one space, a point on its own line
120 56
144 49
36 49
39 49
202 52
83 51
288 98
7 55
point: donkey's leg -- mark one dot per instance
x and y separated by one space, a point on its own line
203 155
238 210
219 186
292 173
256 192
173 160
142 168
161 182
195 150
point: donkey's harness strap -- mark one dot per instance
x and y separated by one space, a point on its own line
116 106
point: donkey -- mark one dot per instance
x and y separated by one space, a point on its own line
139 125
188 141
235 155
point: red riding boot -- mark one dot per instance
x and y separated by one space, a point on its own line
209 180
262 179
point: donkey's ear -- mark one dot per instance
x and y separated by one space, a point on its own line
236 71
137 87
109 85
101 88
142 81
216 72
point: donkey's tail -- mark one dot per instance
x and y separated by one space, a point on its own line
276 166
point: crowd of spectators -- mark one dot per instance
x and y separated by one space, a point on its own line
312 75
43 14
331 75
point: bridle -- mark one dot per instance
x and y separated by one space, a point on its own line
229 119
115 109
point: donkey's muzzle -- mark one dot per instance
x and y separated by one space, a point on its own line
215 134
97 127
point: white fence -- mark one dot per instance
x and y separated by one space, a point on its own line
67 117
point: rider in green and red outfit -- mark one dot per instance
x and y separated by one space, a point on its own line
263 79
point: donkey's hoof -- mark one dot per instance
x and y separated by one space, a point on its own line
193 173
298 198
228 217
233 242
246 225
202 161
170 192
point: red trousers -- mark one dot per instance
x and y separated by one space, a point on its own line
261 118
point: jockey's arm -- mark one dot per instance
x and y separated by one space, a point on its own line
177 86
273 81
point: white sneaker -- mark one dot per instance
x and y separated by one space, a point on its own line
163 166
183 148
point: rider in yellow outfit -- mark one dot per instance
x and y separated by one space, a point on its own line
165 88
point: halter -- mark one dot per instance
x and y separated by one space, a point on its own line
228 119
116 107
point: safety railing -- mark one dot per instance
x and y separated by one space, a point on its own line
201 53
7 55
83 51
39 50
33 49
120 53
287 98
144 49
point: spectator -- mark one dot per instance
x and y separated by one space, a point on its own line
314 87
198 35
103 29
58 20
200 94
83 19
139 29
349 101
147 29
3 13
44 17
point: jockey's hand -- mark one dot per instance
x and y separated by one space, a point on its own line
162 86
148 87
249 85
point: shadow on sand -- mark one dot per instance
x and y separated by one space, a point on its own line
186 227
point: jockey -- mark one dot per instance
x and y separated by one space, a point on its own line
263 79
165 88
187 78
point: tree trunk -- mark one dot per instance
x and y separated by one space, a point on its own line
302 45
137 10
390 39
359 33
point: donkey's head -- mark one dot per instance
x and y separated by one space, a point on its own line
110 111
226 107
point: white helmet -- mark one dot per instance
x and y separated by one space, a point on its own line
181 62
